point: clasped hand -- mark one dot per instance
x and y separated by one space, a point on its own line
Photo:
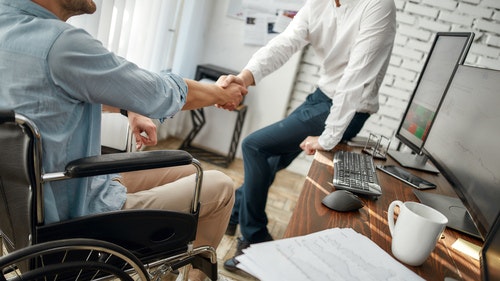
235 86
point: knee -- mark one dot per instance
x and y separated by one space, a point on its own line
249 144
220 184
245 144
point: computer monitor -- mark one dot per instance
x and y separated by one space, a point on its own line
447 50
490 254
463 144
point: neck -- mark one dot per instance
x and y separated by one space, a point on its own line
337 3
53 7
64 10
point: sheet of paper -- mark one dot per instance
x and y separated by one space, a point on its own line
235 9
264 19
259 28
333 254
283 20
271 6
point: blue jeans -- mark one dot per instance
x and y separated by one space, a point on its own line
270 149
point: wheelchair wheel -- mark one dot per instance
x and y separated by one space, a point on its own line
72 259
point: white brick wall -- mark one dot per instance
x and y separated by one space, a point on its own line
418 21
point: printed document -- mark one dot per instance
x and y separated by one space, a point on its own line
332 254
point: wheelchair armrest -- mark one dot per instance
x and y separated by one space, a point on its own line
126 162
133 161
7 116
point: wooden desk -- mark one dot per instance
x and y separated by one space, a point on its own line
311 216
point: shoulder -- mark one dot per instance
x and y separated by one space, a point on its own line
38 35
315 10
377 10
75 43
318 4
386 5
80 40
51 28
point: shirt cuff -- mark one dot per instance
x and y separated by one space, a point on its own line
328 141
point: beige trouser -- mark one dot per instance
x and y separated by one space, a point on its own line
172 189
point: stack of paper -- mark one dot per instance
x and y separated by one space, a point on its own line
333 254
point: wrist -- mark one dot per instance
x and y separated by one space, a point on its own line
219 93
247 78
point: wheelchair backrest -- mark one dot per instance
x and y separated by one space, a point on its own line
17 180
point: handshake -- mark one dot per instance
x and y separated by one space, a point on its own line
234 88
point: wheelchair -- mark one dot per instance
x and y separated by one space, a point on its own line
145 244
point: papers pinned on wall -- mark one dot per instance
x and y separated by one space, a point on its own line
333 254
264 19
258 28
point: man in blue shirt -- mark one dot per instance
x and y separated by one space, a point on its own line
59 76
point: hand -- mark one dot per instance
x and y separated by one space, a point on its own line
144 130
227 82
234 94
244 78
310 145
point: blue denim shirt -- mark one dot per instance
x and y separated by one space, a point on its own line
59 76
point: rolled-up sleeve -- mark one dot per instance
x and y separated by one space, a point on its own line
81 67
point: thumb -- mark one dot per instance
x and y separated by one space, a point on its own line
138 141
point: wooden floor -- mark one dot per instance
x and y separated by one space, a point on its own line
282 198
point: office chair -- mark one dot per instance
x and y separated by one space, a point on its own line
158 238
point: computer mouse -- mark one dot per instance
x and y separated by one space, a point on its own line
342 201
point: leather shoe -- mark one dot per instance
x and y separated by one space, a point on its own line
242 244
231 229
231 264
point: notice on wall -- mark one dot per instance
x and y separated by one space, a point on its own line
264 19
258 28
235 9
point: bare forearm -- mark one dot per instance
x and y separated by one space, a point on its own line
201 95
108 108
205 94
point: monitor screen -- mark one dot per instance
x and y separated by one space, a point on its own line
463 142
448 50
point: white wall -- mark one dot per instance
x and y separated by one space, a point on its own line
417 25
418 20
193 23
222 45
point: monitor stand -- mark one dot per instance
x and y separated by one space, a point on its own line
453 209
413 161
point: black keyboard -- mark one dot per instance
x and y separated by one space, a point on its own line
355 172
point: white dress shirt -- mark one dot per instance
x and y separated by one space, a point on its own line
354 43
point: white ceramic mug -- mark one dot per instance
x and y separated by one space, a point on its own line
416 231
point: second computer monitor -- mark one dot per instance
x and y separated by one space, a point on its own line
463 143
448 50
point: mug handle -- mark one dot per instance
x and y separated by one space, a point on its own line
390 214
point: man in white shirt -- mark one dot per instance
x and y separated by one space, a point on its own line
354 41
